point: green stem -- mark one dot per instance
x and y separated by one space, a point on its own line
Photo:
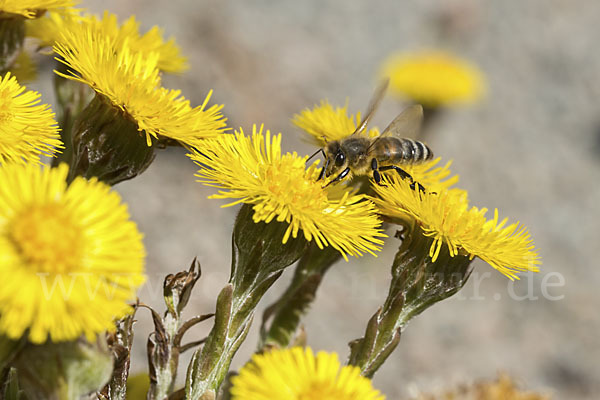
285 314
259 258
71 99
417 283
12 35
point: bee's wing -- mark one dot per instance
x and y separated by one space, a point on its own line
373 105
407 124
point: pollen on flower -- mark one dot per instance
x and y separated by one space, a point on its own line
56 248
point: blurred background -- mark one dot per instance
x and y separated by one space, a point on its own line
530 147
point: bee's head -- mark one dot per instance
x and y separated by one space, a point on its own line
336 158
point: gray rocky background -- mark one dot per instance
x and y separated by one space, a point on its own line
531 149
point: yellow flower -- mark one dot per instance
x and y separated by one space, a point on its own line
326 124
48 30
431 176
27 128
297 374
447 217
253 171
504 388
33 8
433 78
70 257
130 80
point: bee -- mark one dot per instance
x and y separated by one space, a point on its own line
363 155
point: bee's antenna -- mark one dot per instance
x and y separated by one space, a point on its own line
324 139
315 153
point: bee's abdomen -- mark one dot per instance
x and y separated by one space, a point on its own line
402 151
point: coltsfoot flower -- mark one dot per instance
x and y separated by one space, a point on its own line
503 388
130 81
325 123
297 374
32 8
433 78
447 217
49 29
252 170
70 257
27 128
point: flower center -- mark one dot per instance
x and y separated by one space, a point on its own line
288 184
48 239
325 391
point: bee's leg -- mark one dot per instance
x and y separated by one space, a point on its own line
322 174
315 153
404 175
376 174
338 178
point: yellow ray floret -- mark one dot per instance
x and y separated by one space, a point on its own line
27 128
433 78
430 175
447 217
297 374
252 170
32 8
48 30
70 257
130 81
326 123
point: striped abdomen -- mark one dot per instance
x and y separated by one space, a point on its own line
393 150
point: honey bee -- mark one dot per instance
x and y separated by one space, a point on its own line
364 155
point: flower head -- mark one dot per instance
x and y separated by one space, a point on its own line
447 217
252 170
33 8
433 78
70 257
431 176
503 388
27 128
325 124
130 80
49 29
297 374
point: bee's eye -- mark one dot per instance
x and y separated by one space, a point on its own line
340 158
